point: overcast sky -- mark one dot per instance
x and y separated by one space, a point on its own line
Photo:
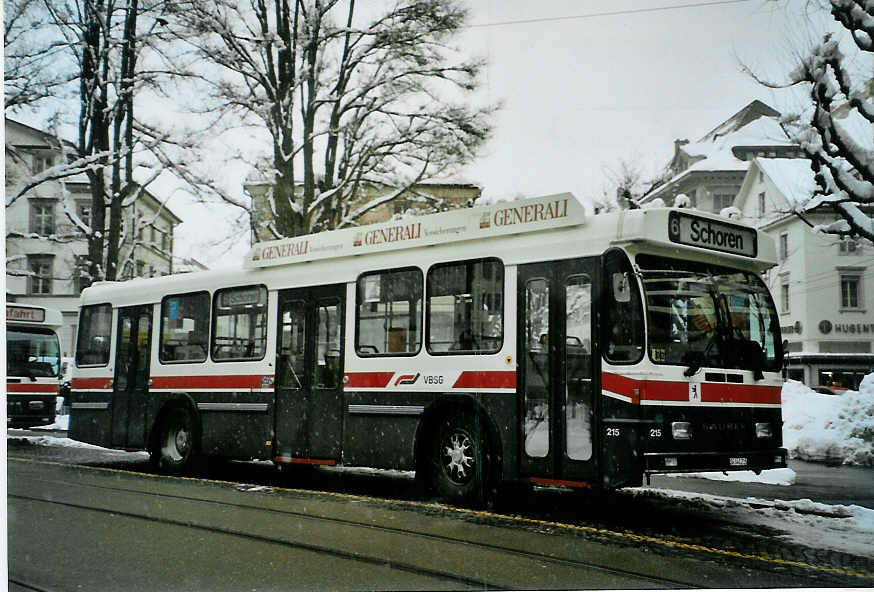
582 93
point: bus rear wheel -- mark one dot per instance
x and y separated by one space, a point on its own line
457 460
175 449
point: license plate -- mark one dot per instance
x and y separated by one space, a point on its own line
737 461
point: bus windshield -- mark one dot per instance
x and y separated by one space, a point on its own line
707 315
32 353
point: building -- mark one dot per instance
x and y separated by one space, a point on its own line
822 284
420 198
45 251
710 171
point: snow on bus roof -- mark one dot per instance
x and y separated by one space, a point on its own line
530 215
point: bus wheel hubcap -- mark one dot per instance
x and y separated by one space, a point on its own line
458 457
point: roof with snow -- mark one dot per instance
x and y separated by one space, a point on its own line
755 128
792 177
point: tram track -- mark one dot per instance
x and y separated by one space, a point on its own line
472 546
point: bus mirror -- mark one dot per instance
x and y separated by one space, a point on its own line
621 289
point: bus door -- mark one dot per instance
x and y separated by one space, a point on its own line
558 378
309 374
131 385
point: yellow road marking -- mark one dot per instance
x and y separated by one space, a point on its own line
491 515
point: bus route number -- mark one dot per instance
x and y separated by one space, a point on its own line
614 432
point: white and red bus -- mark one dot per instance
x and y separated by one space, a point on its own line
33 364
519 341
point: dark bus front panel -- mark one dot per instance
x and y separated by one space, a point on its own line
713 439
29 409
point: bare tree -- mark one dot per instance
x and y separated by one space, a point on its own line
836 132
105 43
31 51
351 98
626 183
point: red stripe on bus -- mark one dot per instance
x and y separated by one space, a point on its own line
658 390
664 390
23 387
91 383
486 379
207 382
621 385
304 461
368 379
561 482
740 393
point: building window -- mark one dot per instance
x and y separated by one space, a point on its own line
784 246
81 276
41 270
849 246
42 217
762 204
83 210
722 201
140 269
42 162
851 290
784 293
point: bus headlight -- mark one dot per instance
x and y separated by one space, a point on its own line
681 430
763 430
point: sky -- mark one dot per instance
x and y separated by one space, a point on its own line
581 94
584 84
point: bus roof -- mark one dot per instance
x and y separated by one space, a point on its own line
531 215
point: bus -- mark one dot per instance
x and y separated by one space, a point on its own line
520 341
33 365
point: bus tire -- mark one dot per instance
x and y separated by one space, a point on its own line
175 448
458 450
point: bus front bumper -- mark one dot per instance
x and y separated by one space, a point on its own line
695 462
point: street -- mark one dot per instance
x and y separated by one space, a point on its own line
102 520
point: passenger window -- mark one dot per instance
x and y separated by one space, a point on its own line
240 324
622 311
389 312
95 329
185 328
466 307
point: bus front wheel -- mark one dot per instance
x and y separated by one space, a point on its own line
457 466
175 450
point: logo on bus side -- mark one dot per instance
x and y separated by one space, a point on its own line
404 379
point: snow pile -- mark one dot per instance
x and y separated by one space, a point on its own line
831 428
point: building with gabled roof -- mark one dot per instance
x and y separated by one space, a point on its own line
711 170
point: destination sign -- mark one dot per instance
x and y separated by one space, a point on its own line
21 313
686 229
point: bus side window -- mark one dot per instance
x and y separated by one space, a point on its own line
388 313
622 311
185 327
95 328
